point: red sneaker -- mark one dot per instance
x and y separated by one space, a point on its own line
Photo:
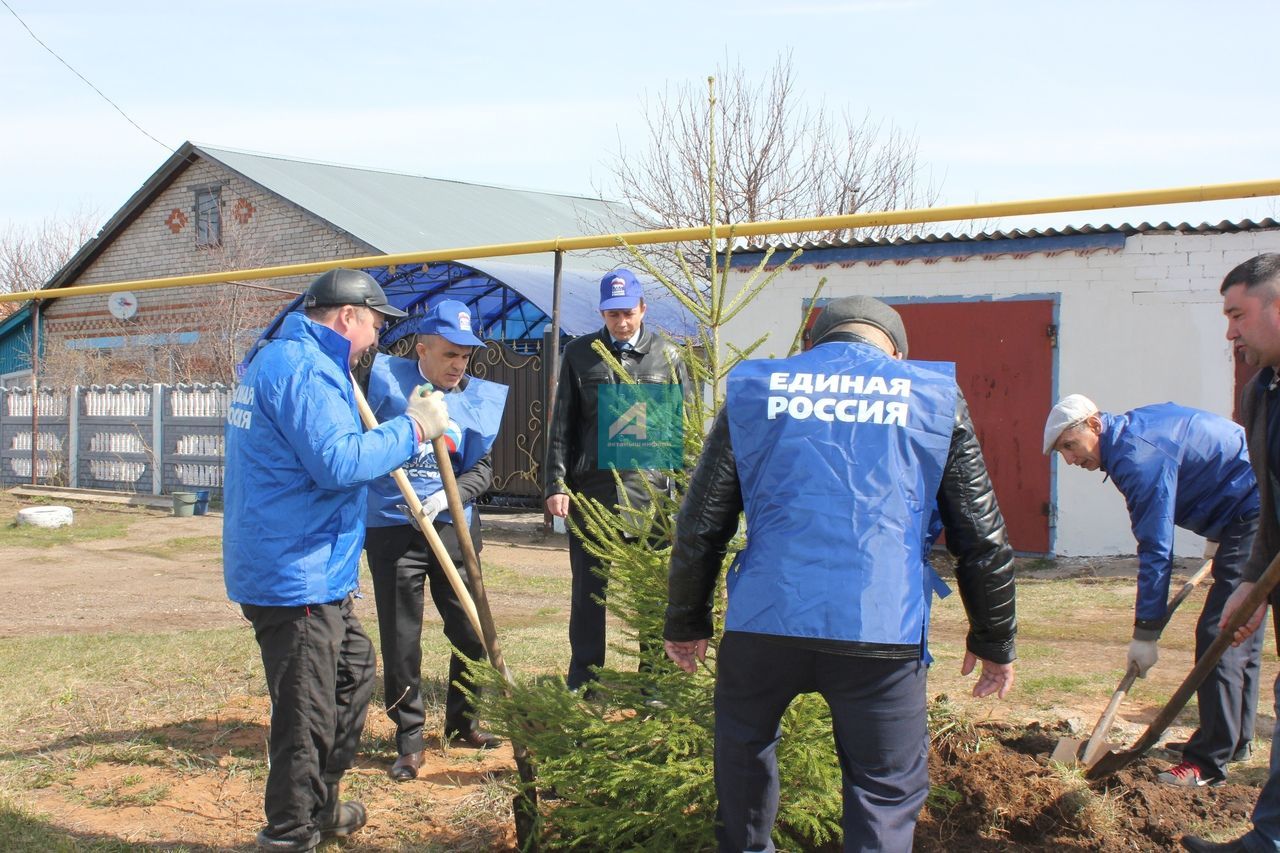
1187 775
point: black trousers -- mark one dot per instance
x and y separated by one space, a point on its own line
587 613
1228 697
880 724
403 566
320 667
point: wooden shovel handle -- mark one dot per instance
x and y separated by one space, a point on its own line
1257 597
470 558
1099 736
370 421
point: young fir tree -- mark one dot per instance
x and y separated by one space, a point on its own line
630 762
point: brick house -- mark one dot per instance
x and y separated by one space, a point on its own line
208 209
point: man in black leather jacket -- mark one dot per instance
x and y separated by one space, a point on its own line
876 689
572 463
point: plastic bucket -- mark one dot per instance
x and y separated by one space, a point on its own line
202 501
184 504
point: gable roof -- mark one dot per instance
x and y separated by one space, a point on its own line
387 211
396 213
393 213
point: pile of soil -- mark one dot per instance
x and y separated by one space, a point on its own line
995 789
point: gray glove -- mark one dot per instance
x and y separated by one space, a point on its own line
431 507
1143 655
428 410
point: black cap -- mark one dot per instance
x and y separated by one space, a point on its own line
349 287
861 309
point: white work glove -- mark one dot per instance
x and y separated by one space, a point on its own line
428 410
431 507
1143 655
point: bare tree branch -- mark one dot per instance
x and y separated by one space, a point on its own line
778 159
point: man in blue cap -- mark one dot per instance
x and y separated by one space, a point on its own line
572 459
401 562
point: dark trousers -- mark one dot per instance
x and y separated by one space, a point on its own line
1228 697
587 617
320 668
880 724
402 566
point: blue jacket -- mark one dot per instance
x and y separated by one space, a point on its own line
475 414
839 553
297 462
1179 467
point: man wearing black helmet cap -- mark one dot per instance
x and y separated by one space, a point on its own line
297 462
848 461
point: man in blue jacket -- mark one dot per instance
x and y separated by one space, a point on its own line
1187 468
297 463
848 460
399 559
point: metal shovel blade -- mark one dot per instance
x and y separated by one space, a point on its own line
1068 750
1113 761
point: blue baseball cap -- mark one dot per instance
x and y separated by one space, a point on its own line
451 320
620 290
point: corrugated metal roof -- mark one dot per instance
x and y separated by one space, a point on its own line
406 213
1126 230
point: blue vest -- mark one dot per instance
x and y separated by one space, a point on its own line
475 414
840 453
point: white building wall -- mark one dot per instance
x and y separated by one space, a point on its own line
1137 325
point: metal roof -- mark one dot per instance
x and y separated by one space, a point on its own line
397 213
505 301
392 213
1125 230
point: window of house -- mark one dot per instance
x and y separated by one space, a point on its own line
208 216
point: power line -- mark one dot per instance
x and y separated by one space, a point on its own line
82 77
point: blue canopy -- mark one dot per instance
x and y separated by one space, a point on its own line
509 302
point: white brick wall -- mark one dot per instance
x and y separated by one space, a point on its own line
1136 326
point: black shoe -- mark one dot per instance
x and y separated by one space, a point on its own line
339 819
475 739
1244 753
266 841
1199 845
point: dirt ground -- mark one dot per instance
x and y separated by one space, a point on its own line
1007 795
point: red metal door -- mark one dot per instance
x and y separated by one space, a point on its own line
1003 353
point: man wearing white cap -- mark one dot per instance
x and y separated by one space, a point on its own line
1179 467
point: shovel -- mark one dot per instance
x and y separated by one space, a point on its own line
477 607
1110 762
1072 750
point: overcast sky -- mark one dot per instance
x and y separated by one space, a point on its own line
1007 100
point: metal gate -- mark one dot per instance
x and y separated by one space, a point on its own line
517 453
